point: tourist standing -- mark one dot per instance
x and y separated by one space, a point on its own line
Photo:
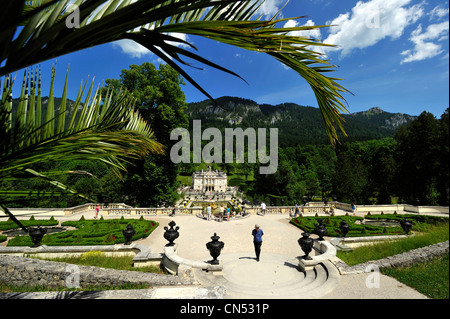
263 208
257 234
297 210
353 208
208 212
224 213
173 211
97 210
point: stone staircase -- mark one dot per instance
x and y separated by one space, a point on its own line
276 277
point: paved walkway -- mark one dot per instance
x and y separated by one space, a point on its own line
277 267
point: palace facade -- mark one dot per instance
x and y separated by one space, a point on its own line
209 181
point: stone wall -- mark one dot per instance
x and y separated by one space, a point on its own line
22 271
408 258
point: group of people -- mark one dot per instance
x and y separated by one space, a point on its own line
223 212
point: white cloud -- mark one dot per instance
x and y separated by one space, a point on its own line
135 50
271 7
423 47
181 36
131 48
313 34
370 22
438 12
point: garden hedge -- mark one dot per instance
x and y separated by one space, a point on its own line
92 232
420 223
332 225
9 224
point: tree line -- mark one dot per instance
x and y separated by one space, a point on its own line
411 167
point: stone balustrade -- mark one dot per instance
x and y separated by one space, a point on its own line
91 206
151 211
286 209
121 209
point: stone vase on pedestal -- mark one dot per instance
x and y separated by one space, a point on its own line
306 244
171 233
215 247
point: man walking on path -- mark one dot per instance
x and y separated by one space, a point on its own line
257 234
297 210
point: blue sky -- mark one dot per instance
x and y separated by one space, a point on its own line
393 54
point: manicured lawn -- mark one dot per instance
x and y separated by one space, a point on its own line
98 259
430 278
436 234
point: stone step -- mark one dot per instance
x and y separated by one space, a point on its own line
327 278
313 284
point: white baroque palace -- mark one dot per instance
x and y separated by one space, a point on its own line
209 181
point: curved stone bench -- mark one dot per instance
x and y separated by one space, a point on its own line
177 265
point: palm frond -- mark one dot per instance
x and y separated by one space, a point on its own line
112 132
150 23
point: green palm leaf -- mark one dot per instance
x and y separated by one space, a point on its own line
112 131
150 23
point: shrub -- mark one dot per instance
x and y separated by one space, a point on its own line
9 224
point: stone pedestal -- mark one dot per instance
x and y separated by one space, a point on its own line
306 265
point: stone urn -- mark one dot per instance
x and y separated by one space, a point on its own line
128 233
406 225
344 227
306 244
171 233
215 247
320 229
36 234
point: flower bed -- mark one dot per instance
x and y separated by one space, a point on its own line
332 226
92 232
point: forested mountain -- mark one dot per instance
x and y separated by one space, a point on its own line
296 124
